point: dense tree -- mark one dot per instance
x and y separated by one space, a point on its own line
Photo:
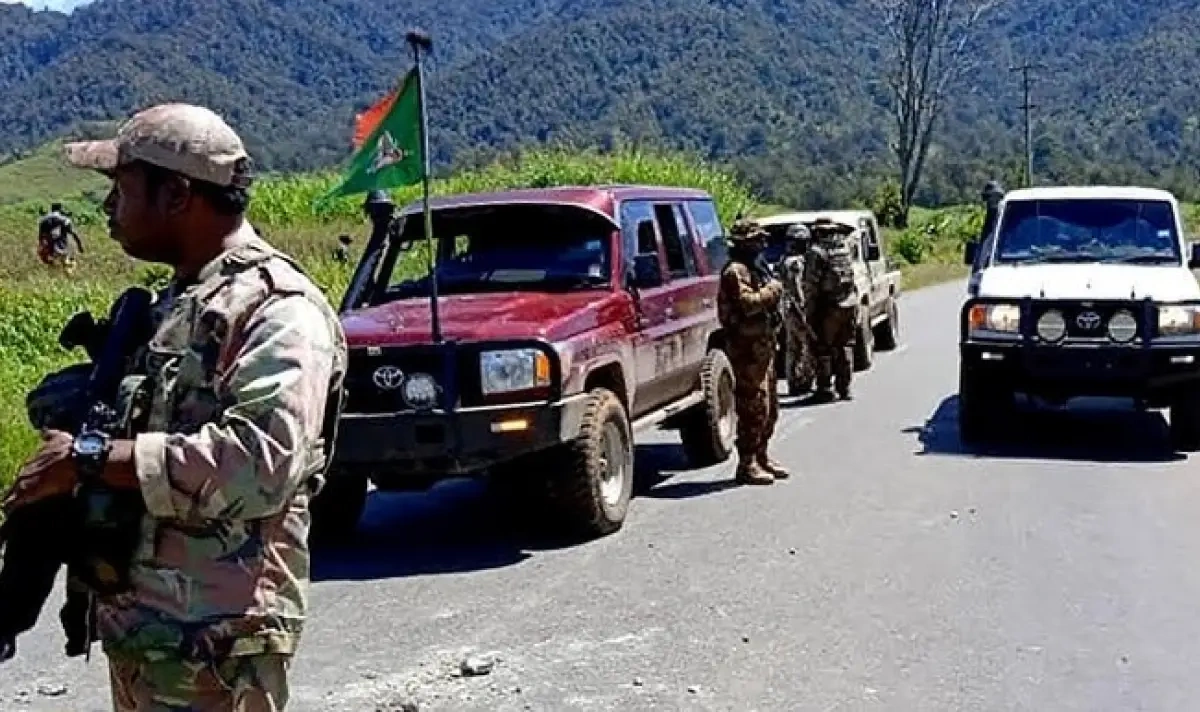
791 92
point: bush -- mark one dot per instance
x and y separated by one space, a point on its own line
912 245
887 204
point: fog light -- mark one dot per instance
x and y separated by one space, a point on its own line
1052 326
1122 327
420 391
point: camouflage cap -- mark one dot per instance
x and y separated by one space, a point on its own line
190 140
743 230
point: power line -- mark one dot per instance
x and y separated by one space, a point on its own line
1027 107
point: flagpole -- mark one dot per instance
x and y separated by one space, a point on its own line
419 40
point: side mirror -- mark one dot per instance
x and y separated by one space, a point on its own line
647 272
970 252
1194 260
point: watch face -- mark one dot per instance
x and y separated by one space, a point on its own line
89 445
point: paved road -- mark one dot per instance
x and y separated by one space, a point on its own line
896 572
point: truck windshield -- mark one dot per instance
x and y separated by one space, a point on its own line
1088 230
502 248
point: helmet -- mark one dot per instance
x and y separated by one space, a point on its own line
746 230
799 232
824 226
56 207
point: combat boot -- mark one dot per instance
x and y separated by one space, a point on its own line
750 472
773 466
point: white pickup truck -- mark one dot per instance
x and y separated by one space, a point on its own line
1082 291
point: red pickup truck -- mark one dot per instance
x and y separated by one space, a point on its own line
569 319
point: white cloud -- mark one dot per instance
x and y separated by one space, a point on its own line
61 5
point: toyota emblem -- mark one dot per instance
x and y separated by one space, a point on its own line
1088 321
388 378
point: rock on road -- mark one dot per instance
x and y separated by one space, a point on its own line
894 571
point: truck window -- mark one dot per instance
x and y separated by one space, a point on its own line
712 234
637 229
680 262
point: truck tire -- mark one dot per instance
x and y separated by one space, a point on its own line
981 407
590 479
887 334
709 430
864 345
336 509
1185 421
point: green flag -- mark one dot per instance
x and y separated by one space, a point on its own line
390 154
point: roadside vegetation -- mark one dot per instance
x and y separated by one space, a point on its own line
35 300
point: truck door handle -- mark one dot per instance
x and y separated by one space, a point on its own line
707 302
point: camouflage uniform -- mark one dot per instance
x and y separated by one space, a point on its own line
747 305
230 446
798 352
832 304
53 231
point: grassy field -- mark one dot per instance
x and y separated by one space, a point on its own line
35 300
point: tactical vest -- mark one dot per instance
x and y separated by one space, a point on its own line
148 398
837 280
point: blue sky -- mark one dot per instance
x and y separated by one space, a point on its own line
64 5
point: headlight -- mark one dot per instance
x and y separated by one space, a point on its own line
1001 318
1122 327
513 370
1052 326
1177 320
420 391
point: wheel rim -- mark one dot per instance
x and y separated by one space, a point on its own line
613 466
727 418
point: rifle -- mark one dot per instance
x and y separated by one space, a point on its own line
94 530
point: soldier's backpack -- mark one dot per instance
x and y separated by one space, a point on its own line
838 279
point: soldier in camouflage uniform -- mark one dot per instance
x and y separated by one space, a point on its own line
245 363
747 306
831 296
798 353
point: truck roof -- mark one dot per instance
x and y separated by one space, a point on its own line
843 217
600 199
1090 192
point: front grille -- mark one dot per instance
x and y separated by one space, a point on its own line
1088 321
364 395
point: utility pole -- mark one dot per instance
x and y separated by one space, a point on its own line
1027 107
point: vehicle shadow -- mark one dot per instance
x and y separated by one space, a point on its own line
461 525
1091 431
658 463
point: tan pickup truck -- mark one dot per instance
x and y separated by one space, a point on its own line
878 278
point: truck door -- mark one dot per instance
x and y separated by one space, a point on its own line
651 354
872 254
691 299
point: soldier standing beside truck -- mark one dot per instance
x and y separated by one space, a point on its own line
831 297
747 307
798 349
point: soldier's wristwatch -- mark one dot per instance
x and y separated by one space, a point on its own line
91 446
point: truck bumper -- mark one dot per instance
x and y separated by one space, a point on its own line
435 445
1065 371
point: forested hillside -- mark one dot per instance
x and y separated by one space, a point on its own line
787 90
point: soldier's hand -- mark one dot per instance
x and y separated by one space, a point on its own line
48 473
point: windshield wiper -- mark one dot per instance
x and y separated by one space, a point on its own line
1144 259
1045 259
